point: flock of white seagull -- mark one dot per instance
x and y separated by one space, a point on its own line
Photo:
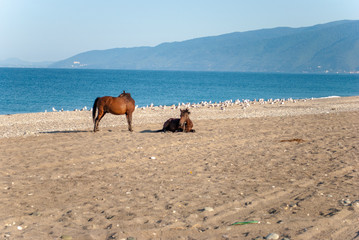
244 103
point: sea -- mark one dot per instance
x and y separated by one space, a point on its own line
29 90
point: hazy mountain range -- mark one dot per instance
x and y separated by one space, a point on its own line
331 47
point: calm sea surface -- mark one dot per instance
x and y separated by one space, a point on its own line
37 90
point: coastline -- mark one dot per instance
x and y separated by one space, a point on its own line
292 168
30 124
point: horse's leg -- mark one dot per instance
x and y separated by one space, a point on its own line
95 124
100 115
95 127
129 121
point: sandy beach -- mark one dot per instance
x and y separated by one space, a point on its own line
291 167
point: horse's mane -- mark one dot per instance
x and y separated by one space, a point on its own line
186 111
124 94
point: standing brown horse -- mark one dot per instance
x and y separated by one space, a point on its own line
179 124
123 104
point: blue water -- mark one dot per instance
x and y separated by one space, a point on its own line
37 90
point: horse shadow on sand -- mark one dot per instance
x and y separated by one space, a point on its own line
66 131
151 131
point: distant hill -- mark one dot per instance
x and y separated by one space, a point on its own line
15 62
331 47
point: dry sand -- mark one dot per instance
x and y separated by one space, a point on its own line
292 167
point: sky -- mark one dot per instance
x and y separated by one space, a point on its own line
53 30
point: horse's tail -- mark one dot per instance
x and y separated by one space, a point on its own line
94 108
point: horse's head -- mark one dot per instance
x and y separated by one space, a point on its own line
184 117
125 94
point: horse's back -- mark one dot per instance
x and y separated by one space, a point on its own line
102 102
117 105
171 124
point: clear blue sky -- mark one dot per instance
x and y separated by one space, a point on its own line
41 30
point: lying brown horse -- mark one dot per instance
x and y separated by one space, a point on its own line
123 104
179 124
